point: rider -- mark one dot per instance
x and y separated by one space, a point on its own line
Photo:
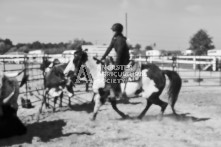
119 43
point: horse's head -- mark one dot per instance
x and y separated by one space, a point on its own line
74 66
45 63
80 57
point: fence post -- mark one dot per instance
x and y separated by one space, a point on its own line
174 58
214 64
219 66
4 64
199 68
194 64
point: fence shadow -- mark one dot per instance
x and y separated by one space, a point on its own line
40 132
185 117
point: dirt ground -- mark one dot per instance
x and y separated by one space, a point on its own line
197 125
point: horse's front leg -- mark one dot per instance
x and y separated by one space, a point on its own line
114 106
98 103
149 103
70 93
42 103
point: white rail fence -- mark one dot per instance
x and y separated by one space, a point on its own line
205 61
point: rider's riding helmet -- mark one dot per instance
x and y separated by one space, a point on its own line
117 27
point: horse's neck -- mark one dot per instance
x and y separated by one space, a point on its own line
69 66
95 69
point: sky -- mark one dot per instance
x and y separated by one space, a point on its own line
169 24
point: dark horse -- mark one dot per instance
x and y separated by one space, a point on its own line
47 65
10 124
150 85
61 77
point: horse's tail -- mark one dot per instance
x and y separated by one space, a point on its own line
174 87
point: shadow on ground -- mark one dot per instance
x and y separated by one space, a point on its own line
42 132
87 107
185 117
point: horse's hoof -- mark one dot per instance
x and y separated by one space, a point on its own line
37 117
140 117
126 117
164 108
93 118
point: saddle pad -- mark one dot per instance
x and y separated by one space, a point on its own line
132 73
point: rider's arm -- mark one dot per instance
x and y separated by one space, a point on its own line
108 49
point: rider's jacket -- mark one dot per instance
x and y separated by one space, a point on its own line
119 43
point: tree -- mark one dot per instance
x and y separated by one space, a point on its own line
8 42
201 42
77 43
5 45
137 46
147 48
36 45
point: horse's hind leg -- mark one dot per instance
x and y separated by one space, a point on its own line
87 86
160 103
114 106
172 107
149 103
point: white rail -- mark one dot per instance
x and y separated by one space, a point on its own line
193 60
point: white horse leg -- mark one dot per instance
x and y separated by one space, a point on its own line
98 104
70 93
42 103
44 99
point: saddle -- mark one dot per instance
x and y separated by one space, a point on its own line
133 72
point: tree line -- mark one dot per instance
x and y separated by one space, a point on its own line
6 45
200 43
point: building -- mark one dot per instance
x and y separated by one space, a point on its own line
97 50
214 52
153 53
188 52
36 52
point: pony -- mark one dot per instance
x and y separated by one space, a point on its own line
47 65
9 89
10 124
61 78
149 85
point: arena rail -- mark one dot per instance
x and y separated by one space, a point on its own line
193 73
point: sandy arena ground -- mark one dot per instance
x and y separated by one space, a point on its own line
197 125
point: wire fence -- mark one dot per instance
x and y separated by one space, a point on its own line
200 73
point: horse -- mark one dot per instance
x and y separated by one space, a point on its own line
9 89
61 77
10 124
47 65
149 85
